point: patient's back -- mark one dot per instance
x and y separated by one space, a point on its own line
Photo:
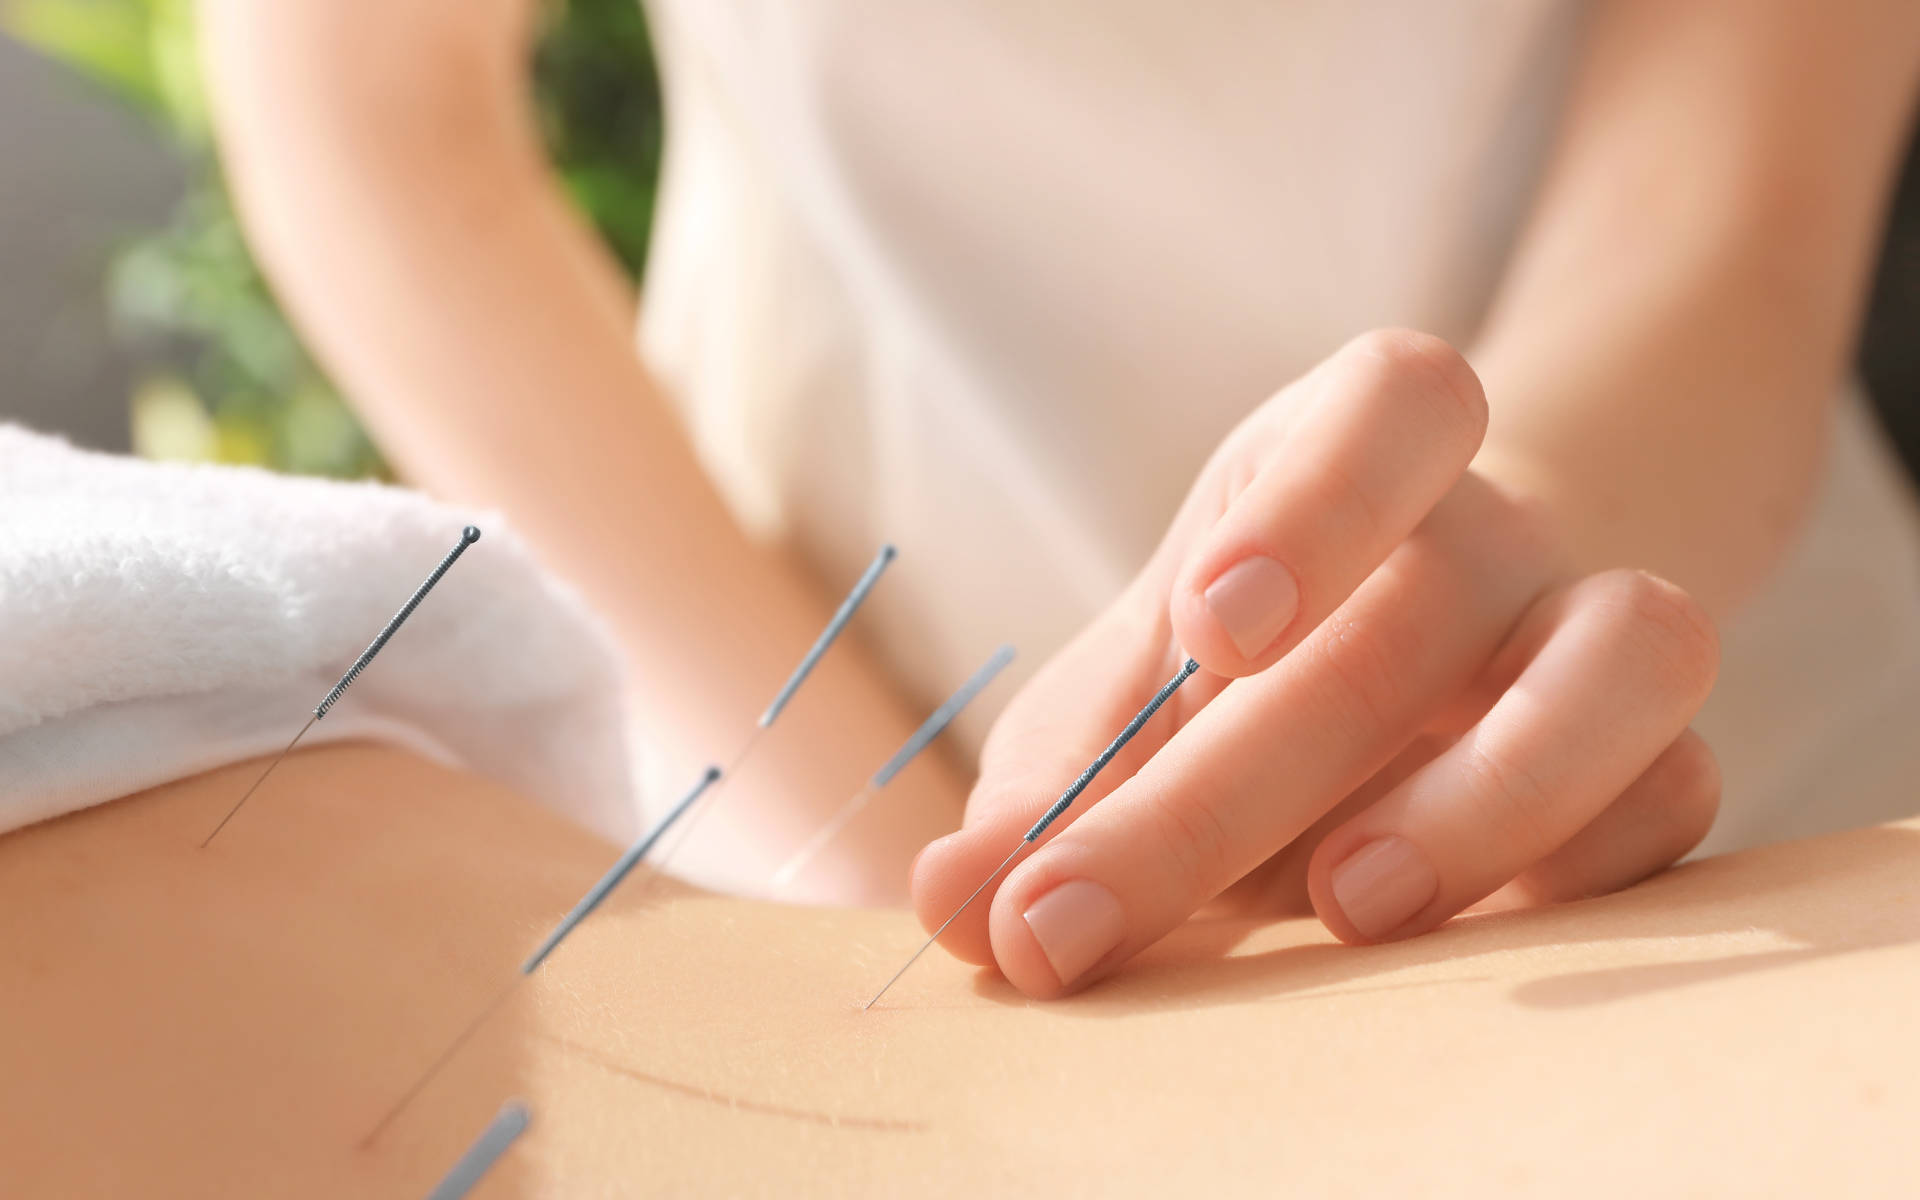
234 1020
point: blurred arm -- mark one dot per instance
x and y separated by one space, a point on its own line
391 180
1684 304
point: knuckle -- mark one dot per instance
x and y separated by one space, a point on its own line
1695 788
1672 627
1189 827
1423 369
1348 514
1514 800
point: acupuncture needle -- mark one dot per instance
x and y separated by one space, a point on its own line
922 737
652 836
468 537
580 911
494 1141
1052 814
838 622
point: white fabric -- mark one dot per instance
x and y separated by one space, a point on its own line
157 620
991 280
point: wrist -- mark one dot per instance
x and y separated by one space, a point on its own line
1597 519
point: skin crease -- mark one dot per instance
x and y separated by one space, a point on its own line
178 1022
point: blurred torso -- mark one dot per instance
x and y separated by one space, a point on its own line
993 280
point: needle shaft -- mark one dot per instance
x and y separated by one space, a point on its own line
468 537
597 893
937 722
446 1056
841 617
921 738
618 872
256 783
790 870
838 622
679 839
1052 814
640 849
928 944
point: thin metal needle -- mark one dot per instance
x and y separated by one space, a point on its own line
821 839
446 1056
838 622
928 944
921 738
619 871
580 911
263 778
835 624
1053 814
468 536
647 841
500 1134
937 722
686 831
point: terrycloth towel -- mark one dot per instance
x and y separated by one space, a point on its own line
159 619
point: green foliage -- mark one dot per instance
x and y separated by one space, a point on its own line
141 50
227 377
598 102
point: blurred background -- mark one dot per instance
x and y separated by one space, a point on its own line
131 316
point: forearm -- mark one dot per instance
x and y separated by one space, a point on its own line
1684 304
1680 431
411 225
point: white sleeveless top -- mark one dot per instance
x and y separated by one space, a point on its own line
992 279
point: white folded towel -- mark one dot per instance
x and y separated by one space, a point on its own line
159 619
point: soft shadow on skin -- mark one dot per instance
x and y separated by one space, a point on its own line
737 1103
1835 895
991 985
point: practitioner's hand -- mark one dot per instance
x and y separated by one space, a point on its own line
1409 701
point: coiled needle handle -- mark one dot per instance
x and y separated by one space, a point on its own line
839 621
468 537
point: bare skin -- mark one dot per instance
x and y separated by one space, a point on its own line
232 1021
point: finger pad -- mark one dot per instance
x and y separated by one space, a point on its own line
946 872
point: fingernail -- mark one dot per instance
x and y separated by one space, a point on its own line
1254 600
1076 925
1382 884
